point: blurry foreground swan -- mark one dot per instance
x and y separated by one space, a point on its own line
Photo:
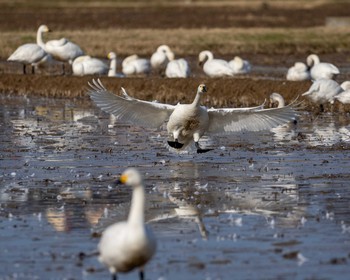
62 49
214 67
188 122
321 70
127 245
298 72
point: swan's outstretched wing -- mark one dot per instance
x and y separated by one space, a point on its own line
127 108
249 119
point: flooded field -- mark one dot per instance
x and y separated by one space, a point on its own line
270 205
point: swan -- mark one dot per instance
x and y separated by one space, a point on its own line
62 49
130 244
214 67
113 66
240 66
187 122
87 65
344 96
161 57
323 90
298 72
321 70
276 97
178 68
133 65
31 53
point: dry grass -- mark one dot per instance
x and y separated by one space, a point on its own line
191 41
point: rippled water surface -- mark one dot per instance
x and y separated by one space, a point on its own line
272 205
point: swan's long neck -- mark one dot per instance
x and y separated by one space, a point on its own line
113 67
136 214
197 100
39 39
280 101
312 60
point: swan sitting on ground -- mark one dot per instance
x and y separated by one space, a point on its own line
344 96
62 49
298 72
277 98
133 65
323 91
321 70
240 66
113 66
178 68
188 122
161 57
87 65
127 245
214 67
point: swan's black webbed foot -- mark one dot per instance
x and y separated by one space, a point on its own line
175 144
200 150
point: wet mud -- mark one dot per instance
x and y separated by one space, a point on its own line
274 203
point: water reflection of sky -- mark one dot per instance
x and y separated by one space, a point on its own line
278 197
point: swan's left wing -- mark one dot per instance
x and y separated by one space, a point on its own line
232 120
127 108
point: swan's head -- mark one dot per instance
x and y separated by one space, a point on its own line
202 88
277 98
44 28
204 56
111 55
131 177
312 60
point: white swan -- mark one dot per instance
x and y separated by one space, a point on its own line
240 66
178 68
214 67
161 57
113 66
127 245
323 90
276 97
344 96
188 122
133 65
87 65
62 49
31 53
321 70
298 72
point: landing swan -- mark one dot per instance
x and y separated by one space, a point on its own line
127 245
323 91
62 49
298 72
113 66
178 68
214 67
161 57
87 65
187 122
133 65
321 70
240 66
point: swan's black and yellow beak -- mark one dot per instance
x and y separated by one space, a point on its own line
203 88
122 179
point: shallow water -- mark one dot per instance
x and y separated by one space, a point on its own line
271 205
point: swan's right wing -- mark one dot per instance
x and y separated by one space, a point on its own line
127 108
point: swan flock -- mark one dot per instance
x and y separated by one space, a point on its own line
188 122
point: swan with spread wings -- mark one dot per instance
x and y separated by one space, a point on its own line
189 122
